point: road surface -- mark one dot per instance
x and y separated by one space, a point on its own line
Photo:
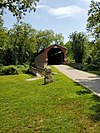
90 81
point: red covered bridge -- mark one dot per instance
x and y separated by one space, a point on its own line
52 55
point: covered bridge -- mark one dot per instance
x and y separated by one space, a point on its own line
51 55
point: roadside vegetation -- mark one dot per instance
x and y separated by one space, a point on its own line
14 70
80 49
61 106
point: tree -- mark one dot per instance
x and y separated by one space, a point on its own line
69 53
59 39
22 43
93 21
48 37
18 7
93 26
77 41
4 44
1 23
44 39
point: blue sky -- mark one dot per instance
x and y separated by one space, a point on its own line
61 16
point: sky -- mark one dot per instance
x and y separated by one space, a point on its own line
61 16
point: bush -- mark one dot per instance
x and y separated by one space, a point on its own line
96 59
9 70
88 60
22 68
12 70
1 65
91 67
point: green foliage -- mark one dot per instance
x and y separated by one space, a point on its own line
69 53
93 22
18 7
1 65
77 41
97 72
13 70
23 42
8 70
93 26
88 59
1 23
91 67
17 44
44 39
96 59
58 39
92 59
48 37
4 45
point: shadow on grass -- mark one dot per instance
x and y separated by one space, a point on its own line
76 83
95 116
83 92
96 98
96 109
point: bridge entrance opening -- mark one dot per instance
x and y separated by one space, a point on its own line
55 56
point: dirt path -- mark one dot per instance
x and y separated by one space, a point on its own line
90 81
34 79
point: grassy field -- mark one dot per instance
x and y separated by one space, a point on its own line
59 107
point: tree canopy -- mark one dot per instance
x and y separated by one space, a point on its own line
93 21
48 37
18 7
77 41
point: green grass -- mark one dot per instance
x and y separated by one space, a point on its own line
95 72
59 107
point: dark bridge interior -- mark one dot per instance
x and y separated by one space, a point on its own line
55 56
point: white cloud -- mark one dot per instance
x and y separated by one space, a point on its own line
42 6
65 11
62 12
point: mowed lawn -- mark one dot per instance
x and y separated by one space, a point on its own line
59 107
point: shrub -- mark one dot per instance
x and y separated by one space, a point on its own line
96 59
22 68
88 60
1 65
12 70
91 67
9 70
